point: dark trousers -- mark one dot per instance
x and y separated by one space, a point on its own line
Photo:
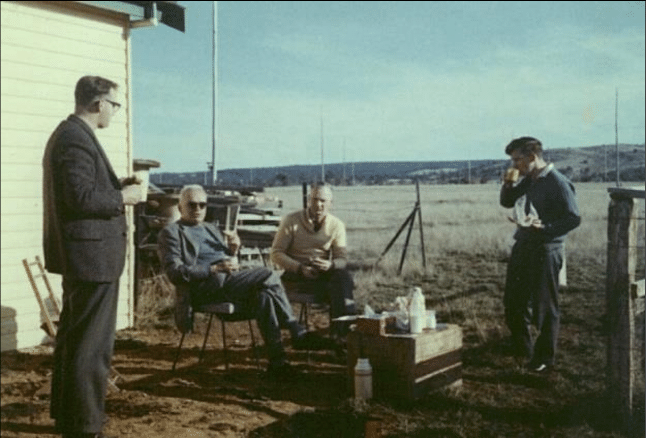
531 296
336 287
259 294
83 355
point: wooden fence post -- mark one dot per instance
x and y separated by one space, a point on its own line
622 234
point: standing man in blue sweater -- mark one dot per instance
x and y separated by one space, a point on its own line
545 211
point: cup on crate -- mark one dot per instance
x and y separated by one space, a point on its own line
431 322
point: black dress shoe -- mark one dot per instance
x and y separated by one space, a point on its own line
539 367
280 371
86 435
313 341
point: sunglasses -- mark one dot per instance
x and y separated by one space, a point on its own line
201 205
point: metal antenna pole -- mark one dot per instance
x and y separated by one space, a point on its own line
344 182
418 205
214 167
617 131
322 158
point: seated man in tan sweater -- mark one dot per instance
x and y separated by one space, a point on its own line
310 245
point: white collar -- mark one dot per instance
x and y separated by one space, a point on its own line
546 170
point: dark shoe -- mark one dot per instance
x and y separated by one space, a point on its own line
312 341
280 371
85 435
539 367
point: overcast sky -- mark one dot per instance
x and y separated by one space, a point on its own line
390 81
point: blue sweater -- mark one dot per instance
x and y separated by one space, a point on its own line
553 197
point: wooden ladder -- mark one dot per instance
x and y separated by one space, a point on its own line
52 315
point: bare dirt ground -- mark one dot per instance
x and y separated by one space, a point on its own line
498 396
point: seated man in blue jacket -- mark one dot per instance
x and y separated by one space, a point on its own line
201 262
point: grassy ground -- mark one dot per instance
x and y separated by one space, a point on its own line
467 242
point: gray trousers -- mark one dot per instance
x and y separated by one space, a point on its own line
259 294
83 354
336 287
531 296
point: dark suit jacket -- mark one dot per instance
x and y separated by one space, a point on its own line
84 227
178 253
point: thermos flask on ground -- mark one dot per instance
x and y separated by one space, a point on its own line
363 379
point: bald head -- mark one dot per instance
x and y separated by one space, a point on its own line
192 204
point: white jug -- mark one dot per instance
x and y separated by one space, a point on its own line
417 311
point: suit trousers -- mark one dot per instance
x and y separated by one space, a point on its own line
531 297
336 287
83 355
258 293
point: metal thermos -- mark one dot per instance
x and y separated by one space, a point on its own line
363 379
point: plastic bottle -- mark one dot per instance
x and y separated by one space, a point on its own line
363 379
417 311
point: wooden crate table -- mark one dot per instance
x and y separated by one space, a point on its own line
407 366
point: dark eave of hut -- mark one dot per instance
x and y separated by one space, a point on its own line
169 13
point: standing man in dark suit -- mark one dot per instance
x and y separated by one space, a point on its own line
84 240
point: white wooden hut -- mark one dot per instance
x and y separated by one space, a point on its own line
46 47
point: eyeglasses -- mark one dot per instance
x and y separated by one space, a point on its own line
201 205
115 105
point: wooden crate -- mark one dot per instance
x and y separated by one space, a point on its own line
407 366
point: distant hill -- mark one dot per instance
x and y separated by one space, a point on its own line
580 164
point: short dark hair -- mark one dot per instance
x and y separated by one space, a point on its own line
525 145
88 88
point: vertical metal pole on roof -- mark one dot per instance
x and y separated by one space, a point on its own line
214 167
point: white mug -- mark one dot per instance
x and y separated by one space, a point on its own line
430 319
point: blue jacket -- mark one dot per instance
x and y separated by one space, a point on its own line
179 255
553 197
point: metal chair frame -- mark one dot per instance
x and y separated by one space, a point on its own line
225 313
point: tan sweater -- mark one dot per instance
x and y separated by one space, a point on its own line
296 241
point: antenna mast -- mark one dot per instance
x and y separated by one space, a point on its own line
322 160
344 162
617 131
213 165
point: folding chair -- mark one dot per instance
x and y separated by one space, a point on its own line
227 220
295 294
225 313
52 316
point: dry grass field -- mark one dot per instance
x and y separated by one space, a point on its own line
467 242
457 220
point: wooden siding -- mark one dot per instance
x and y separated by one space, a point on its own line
46 48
